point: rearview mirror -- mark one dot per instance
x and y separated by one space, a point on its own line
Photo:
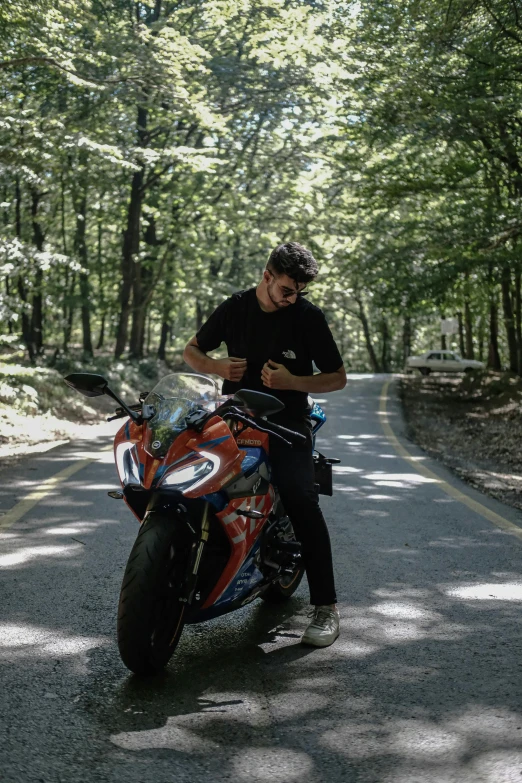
87 383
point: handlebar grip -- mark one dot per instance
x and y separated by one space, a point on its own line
296 438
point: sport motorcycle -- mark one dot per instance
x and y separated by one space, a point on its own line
194 469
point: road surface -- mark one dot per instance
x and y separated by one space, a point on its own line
423 686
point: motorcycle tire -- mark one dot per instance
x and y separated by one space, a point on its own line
150 615
281 591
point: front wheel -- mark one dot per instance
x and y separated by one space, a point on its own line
150 615
425 370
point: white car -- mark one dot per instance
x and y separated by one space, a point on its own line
441 361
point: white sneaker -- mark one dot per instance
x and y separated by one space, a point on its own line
324 628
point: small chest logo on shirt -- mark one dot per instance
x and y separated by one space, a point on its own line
289 354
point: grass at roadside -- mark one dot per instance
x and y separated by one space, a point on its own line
473 424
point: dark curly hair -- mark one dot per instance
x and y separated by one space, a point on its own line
294 260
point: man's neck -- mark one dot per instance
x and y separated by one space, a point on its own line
265 303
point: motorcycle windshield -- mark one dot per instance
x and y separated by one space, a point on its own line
173 399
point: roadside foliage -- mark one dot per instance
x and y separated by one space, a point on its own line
152 153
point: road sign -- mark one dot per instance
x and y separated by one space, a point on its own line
449 325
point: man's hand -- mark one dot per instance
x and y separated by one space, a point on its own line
276 376
231 368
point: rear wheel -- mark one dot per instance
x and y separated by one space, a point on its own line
150 615
281 591
287 584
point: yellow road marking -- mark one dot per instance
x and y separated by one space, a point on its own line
32 498
449 489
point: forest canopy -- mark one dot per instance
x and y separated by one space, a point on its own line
153 153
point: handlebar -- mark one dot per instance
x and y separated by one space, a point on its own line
296 438
257 426
286 436
146 411
228 410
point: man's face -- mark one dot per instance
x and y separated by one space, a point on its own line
281 289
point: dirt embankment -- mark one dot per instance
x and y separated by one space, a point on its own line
473 424
38 411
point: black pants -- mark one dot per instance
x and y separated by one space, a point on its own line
293 475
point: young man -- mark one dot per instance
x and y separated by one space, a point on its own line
273 334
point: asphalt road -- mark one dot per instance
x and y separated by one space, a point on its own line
424 684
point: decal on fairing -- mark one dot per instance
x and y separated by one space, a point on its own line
211 444
245 581
236 516
243 534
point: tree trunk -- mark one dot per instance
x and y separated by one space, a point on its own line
406 338
509 320
131 246
493 354
8 295
68 288
481 326
80 248
385 354
518 318
68 309
134 275
142 289
462 347
101 336
37 313
367 338
442 336
165 331
149 333
468 322
21 281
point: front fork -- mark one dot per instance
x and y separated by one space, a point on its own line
191 576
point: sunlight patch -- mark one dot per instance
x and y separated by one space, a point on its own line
417 739
169 736
258 765
404 611
511 591
21 640
498 766
400 478
33 552
355 649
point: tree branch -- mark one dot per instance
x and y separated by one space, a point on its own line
55 64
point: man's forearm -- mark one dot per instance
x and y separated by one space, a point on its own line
199 361
320 383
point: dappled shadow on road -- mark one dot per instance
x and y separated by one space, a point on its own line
414 689
423 684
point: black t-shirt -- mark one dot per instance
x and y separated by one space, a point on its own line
294 336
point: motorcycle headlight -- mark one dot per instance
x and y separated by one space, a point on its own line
188 476
127 464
